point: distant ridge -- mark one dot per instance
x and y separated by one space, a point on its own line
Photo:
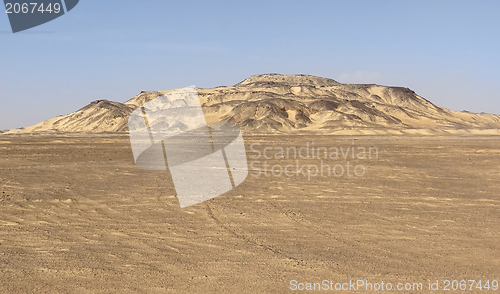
290 104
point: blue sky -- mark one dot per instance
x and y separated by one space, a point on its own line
446 51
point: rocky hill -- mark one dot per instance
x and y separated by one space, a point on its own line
294 103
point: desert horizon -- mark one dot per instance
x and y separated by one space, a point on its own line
337 193
249 147
290 104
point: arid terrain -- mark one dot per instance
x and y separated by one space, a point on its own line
274 103
77 216
383 186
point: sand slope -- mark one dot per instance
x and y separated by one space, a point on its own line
294 103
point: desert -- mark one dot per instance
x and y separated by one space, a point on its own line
78 216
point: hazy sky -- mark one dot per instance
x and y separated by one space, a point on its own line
446 51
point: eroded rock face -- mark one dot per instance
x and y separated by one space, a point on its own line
288 103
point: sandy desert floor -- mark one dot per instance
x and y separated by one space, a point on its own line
77 216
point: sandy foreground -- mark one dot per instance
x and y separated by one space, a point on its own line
77 216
